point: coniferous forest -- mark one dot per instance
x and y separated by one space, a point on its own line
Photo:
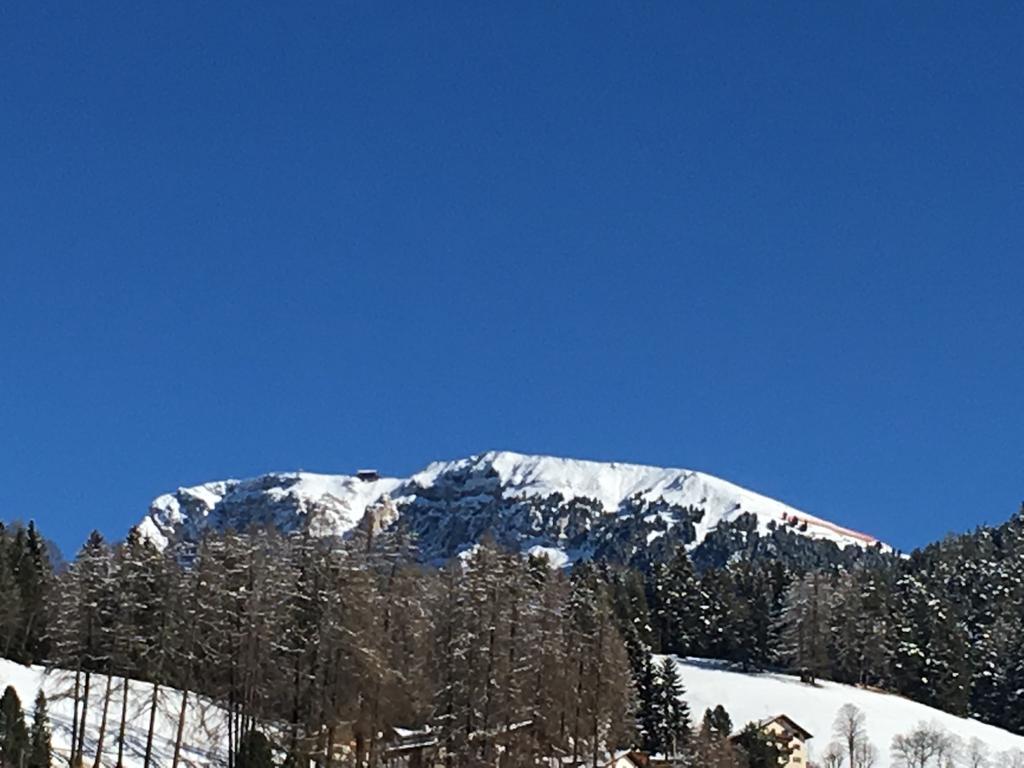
498 654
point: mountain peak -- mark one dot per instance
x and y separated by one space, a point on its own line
568 505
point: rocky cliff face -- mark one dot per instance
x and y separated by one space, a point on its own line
567 509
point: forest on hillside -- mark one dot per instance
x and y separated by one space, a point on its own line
501 655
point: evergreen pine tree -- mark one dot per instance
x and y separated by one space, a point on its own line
712 747
714 634
861 628
804 627
754 624
10 597
761 749
40 752
254 751
717 721
35 580
1012 686
631 607
655 583
680 596
675 714
930 662
648 716
14 740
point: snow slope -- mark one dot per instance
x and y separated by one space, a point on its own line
758 696
525 500
202 743
327 504
708 683
612 483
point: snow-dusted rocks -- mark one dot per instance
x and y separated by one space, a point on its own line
326 505
567 508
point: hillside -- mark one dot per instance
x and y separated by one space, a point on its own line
568 508
202 744
757 696
746 697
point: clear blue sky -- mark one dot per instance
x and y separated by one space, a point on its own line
783 245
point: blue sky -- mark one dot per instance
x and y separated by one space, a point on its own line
779 244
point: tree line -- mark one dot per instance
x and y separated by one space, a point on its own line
943 626
315 650
325 647
498 654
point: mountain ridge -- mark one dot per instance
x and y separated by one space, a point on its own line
571 509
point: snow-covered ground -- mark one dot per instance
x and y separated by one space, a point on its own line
708 683
757 696
202 744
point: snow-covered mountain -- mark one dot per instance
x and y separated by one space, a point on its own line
566 508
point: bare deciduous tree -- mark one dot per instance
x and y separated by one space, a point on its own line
947 747
917 748
832 757
976 754
848 728
865 755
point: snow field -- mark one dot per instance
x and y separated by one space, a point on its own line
756 696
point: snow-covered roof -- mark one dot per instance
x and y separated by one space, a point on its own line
789 724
